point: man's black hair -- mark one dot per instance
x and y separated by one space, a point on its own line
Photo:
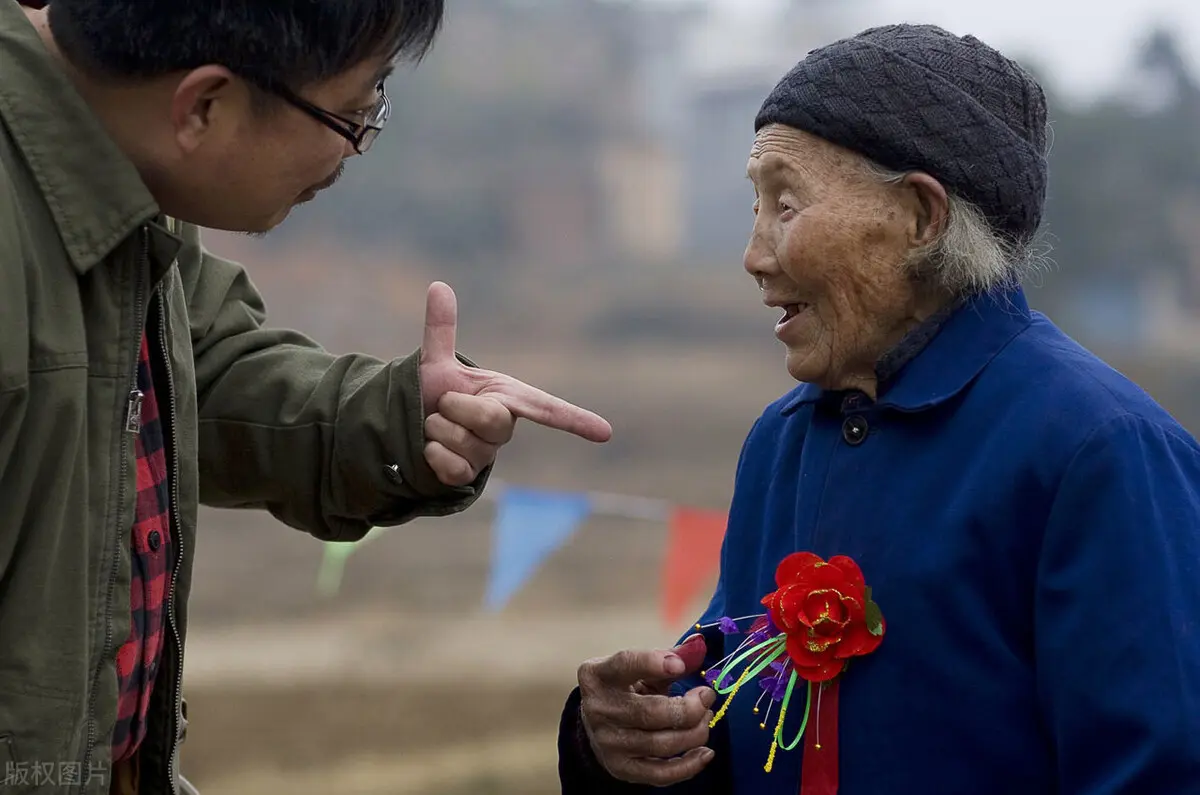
291 43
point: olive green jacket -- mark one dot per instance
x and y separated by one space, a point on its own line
257 418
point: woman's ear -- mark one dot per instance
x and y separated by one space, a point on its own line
934 207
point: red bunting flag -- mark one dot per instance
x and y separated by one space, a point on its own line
693 557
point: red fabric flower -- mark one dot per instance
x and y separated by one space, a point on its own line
826 611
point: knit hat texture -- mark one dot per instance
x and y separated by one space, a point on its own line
916 97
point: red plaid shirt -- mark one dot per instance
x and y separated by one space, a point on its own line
138 658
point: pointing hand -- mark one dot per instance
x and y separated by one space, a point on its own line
471 412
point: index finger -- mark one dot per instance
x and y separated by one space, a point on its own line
441 323
545 409
653 713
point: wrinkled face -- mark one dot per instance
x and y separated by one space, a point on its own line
234 165
830 249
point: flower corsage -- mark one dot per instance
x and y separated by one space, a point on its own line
819 617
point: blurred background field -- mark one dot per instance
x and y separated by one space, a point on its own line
575 170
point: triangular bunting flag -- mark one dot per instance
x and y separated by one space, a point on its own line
693 555
529 526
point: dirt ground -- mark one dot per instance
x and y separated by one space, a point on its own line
373 738
401 684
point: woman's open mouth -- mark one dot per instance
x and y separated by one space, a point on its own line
790 313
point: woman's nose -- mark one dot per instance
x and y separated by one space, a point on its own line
757 259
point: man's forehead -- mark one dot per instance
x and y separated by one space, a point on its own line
385 71
358 81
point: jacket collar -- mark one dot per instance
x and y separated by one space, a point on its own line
94 192
951 356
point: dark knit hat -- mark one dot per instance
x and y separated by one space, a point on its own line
916 97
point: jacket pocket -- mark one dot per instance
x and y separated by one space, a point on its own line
40 733
7 761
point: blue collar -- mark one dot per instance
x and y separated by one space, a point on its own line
965 344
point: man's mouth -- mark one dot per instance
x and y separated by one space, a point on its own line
312 192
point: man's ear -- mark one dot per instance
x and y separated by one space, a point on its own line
204 99
933 207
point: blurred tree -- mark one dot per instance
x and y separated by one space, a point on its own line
1120 171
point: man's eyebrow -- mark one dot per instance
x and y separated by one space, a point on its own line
383 74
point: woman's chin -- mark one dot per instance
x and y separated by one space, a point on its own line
801 365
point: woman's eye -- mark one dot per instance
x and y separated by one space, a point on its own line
784 206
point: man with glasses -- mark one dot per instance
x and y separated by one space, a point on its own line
137 376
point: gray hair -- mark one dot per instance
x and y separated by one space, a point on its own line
969 256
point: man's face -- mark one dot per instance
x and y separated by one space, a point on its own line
829 247
239 167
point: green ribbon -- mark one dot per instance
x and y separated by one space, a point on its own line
333 563
771 650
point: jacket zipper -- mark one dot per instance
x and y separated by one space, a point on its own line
133 404
177 538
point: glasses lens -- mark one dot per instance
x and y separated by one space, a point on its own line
379 115
368 137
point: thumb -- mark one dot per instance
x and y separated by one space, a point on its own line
684 659
692 652
441 324
631 666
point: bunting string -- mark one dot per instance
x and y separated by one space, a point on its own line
531 524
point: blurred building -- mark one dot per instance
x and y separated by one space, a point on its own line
731 62
565 134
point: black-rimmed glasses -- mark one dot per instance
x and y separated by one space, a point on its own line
360 134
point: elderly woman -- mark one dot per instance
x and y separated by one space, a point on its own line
963 555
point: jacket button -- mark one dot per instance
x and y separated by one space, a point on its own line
854 430
155 540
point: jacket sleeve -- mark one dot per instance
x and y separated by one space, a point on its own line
580 773
1117 623
287 427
